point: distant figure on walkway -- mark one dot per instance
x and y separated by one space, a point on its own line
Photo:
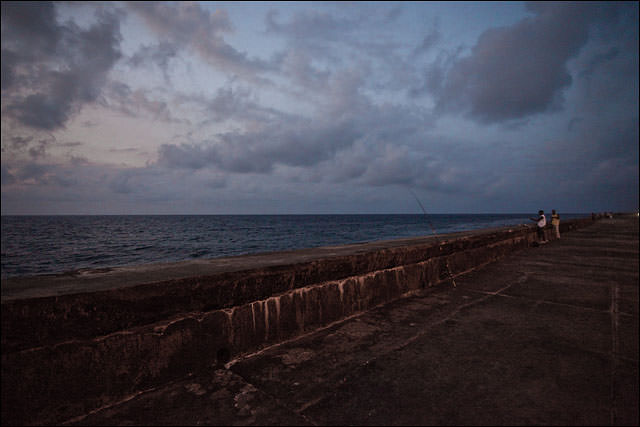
542 223
555 221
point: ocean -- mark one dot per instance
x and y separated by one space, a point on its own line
33 245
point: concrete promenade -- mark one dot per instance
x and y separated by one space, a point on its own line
545 336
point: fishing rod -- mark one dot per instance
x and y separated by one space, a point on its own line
426 217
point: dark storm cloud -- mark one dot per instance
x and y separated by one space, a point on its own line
312 149
8 60
229 103
33 171
335 91
53 69
7 177
32 24
120 184
520 70
44 111
38 151
30 146
238 104
297 64
606 93
136 103
429 41
300 144
19 142
599 59
435 74
186 156
187 25
159 55
395 167
335 120
158 184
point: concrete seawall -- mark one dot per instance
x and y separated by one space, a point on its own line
66 351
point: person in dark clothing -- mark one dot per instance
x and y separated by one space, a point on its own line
541 222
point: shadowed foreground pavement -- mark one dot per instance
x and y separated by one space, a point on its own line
546 336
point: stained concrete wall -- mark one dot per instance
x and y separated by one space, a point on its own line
65 355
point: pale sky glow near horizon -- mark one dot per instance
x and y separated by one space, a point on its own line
319 107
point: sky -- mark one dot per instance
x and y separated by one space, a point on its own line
319 107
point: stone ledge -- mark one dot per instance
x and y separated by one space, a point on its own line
68 354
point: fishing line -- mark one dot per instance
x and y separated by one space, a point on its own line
426 217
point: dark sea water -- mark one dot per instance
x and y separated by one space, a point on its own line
53 244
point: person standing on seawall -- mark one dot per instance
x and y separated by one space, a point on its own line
555 221
542 223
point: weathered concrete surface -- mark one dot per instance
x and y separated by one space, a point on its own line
86 304
546 336
64 354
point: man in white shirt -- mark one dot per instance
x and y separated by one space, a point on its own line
542 223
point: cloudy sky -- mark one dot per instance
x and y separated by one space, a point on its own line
311 107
